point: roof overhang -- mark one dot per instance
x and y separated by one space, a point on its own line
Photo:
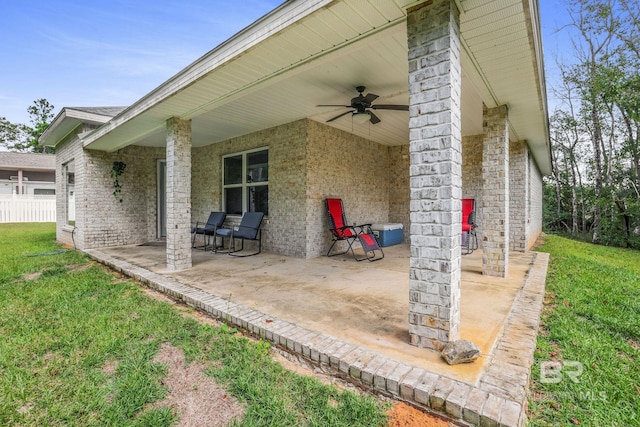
69 118
310 52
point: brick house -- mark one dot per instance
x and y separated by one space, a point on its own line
27 173
470 71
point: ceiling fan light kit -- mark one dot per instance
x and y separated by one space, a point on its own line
361 108
361 118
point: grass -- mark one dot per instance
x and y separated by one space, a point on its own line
587 361
63 319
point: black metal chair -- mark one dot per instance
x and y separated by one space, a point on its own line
249 229
207 230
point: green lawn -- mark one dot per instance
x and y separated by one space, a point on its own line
587 362
64 319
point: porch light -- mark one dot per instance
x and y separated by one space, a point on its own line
361 118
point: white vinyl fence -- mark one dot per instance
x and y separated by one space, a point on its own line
27 208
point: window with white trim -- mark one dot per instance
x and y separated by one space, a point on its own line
70 187
245 182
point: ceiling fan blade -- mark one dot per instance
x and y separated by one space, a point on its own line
390 107
374 119
370 97
339 115
333 105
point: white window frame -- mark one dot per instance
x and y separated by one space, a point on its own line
244 184
69 213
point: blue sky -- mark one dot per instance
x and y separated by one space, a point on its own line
95 53
99 53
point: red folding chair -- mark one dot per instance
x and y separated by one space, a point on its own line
469 237
341 231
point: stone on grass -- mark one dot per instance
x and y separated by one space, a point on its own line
461 351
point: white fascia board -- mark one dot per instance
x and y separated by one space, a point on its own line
87 117
65 122
543 160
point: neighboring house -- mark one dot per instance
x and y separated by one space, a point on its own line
241 129
27 173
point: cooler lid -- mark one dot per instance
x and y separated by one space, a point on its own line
386 227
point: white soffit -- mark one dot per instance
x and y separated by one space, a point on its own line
307 53
503 41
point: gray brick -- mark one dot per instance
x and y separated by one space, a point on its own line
395 378
441 390
335 358
495 177
409 383
473 406
435 171
316 344
456 400
358 365
330 347
368 371
346 360
491 411
380 377
178 194
424 389
511 415
303 345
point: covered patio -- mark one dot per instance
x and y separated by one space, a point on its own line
272 121
269 122
363 306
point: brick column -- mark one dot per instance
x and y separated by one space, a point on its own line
435 173
518 196
495 198
178 194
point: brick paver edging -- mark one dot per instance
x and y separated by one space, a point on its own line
497 399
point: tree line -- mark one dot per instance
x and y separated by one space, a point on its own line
22 137
594 189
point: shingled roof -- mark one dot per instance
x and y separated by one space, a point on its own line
27 161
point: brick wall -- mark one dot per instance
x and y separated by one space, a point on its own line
495 201
284 231
69 150
399 194
349 167
114 223
308 162
101 220
525 191
472 176
518 195
534 223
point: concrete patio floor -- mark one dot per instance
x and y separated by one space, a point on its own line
364 306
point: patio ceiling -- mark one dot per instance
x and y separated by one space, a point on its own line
312 52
